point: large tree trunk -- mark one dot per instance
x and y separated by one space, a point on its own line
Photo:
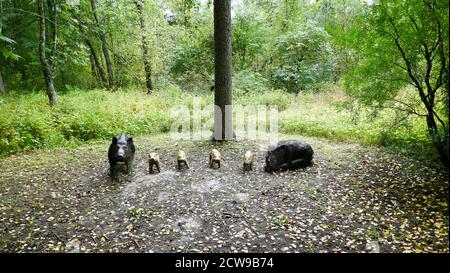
109 66
147 65
223 118
48 76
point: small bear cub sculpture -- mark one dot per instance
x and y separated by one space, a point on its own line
182 159
153 160
248 161
214 157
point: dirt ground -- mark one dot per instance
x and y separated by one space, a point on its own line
352 199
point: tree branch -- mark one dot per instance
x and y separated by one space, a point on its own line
395 79
409 107
405 58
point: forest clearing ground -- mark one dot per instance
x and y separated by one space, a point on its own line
352 199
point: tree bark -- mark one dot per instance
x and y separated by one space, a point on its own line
94 69
439 140
54 32
48 76
2 85
104 47
223 119
147 65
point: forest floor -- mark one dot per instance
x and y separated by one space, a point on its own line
352 199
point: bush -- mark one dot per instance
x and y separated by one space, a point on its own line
82 116
302 59
320 115
247 81
193 61
28 127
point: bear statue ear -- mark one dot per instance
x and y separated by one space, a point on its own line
114 139
130 139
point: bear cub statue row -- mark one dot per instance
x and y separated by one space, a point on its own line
286 154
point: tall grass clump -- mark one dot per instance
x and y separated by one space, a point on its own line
27 122
321 114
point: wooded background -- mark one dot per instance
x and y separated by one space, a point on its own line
382 54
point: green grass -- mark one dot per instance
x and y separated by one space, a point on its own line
27 122
322 115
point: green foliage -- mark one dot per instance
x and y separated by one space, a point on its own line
136 214
29 127
180 37
7 54
247 81
279 49
80 116
378 72
250 34
322 115
302 59
192 60
398 44
282 221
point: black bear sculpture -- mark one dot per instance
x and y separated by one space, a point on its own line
288 154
